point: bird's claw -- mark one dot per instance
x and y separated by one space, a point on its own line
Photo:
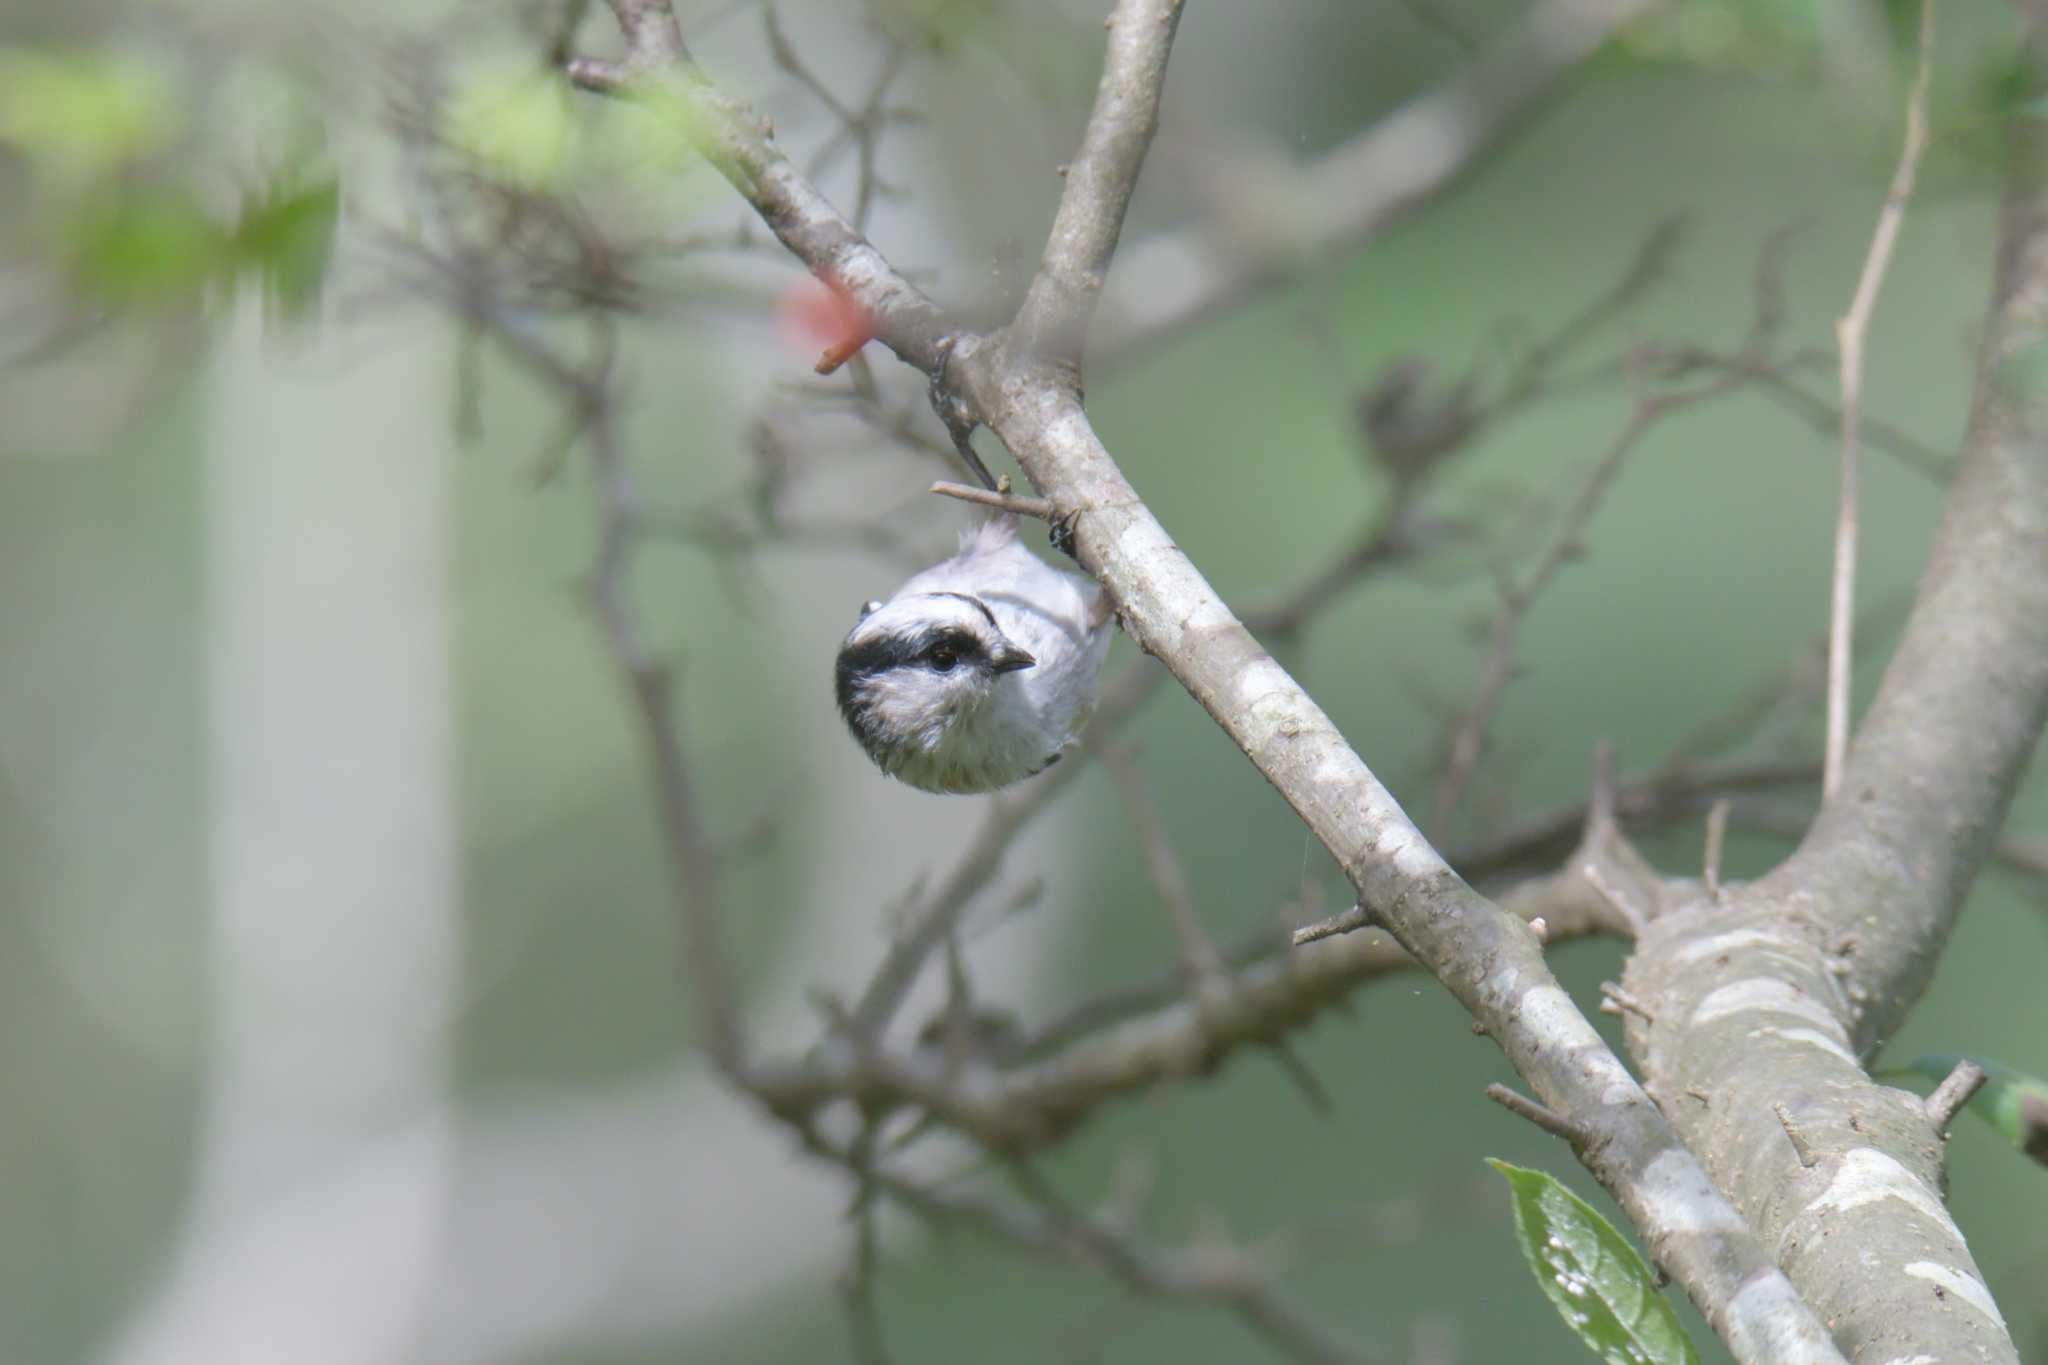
1062 534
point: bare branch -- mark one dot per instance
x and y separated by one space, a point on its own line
1349 921
735 141
652 36
1824 956
589 394
1004 502
1850 331
1468 736
1047 1228
1223 1274
1198 956
1350 194
1100 180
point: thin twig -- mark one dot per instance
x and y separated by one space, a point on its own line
738 144
589 391
1221 1274
1953 1093
1615 1000
1633 915
1006 502
857 1287
1850 332
1717 838
1350 921
1199 959
933 916
1651 801
1468 737
1519 1104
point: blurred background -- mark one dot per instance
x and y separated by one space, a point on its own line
340 1014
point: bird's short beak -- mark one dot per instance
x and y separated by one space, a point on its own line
1010 660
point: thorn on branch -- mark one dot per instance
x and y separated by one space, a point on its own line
1357 917
838 354
1615 1000
1548 1120
1953 1093
1631 913
1717 837
1800 1146
596 75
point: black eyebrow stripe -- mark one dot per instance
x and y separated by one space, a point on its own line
971 601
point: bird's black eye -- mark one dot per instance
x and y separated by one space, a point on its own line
943 657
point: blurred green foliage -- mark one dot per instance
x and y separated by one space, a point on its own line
85 116
119 200
517 122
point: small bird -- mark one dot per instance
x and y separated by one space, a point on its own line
980 671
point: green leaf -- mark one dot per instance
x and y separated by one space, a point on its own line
654 131
144 247
286 238
2013 1102
517 124
1594 1278
78 116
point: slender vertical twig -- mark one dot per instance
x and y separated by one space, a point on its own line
1850 330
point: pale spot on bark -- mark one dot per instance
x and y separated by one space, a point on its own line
1809 1037
1765 995
1866 1176
1733 941
1765 1323
1403 845
1681 1198
1552 1016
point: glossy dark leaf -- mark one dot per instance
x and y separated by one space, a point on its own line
1590 1273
